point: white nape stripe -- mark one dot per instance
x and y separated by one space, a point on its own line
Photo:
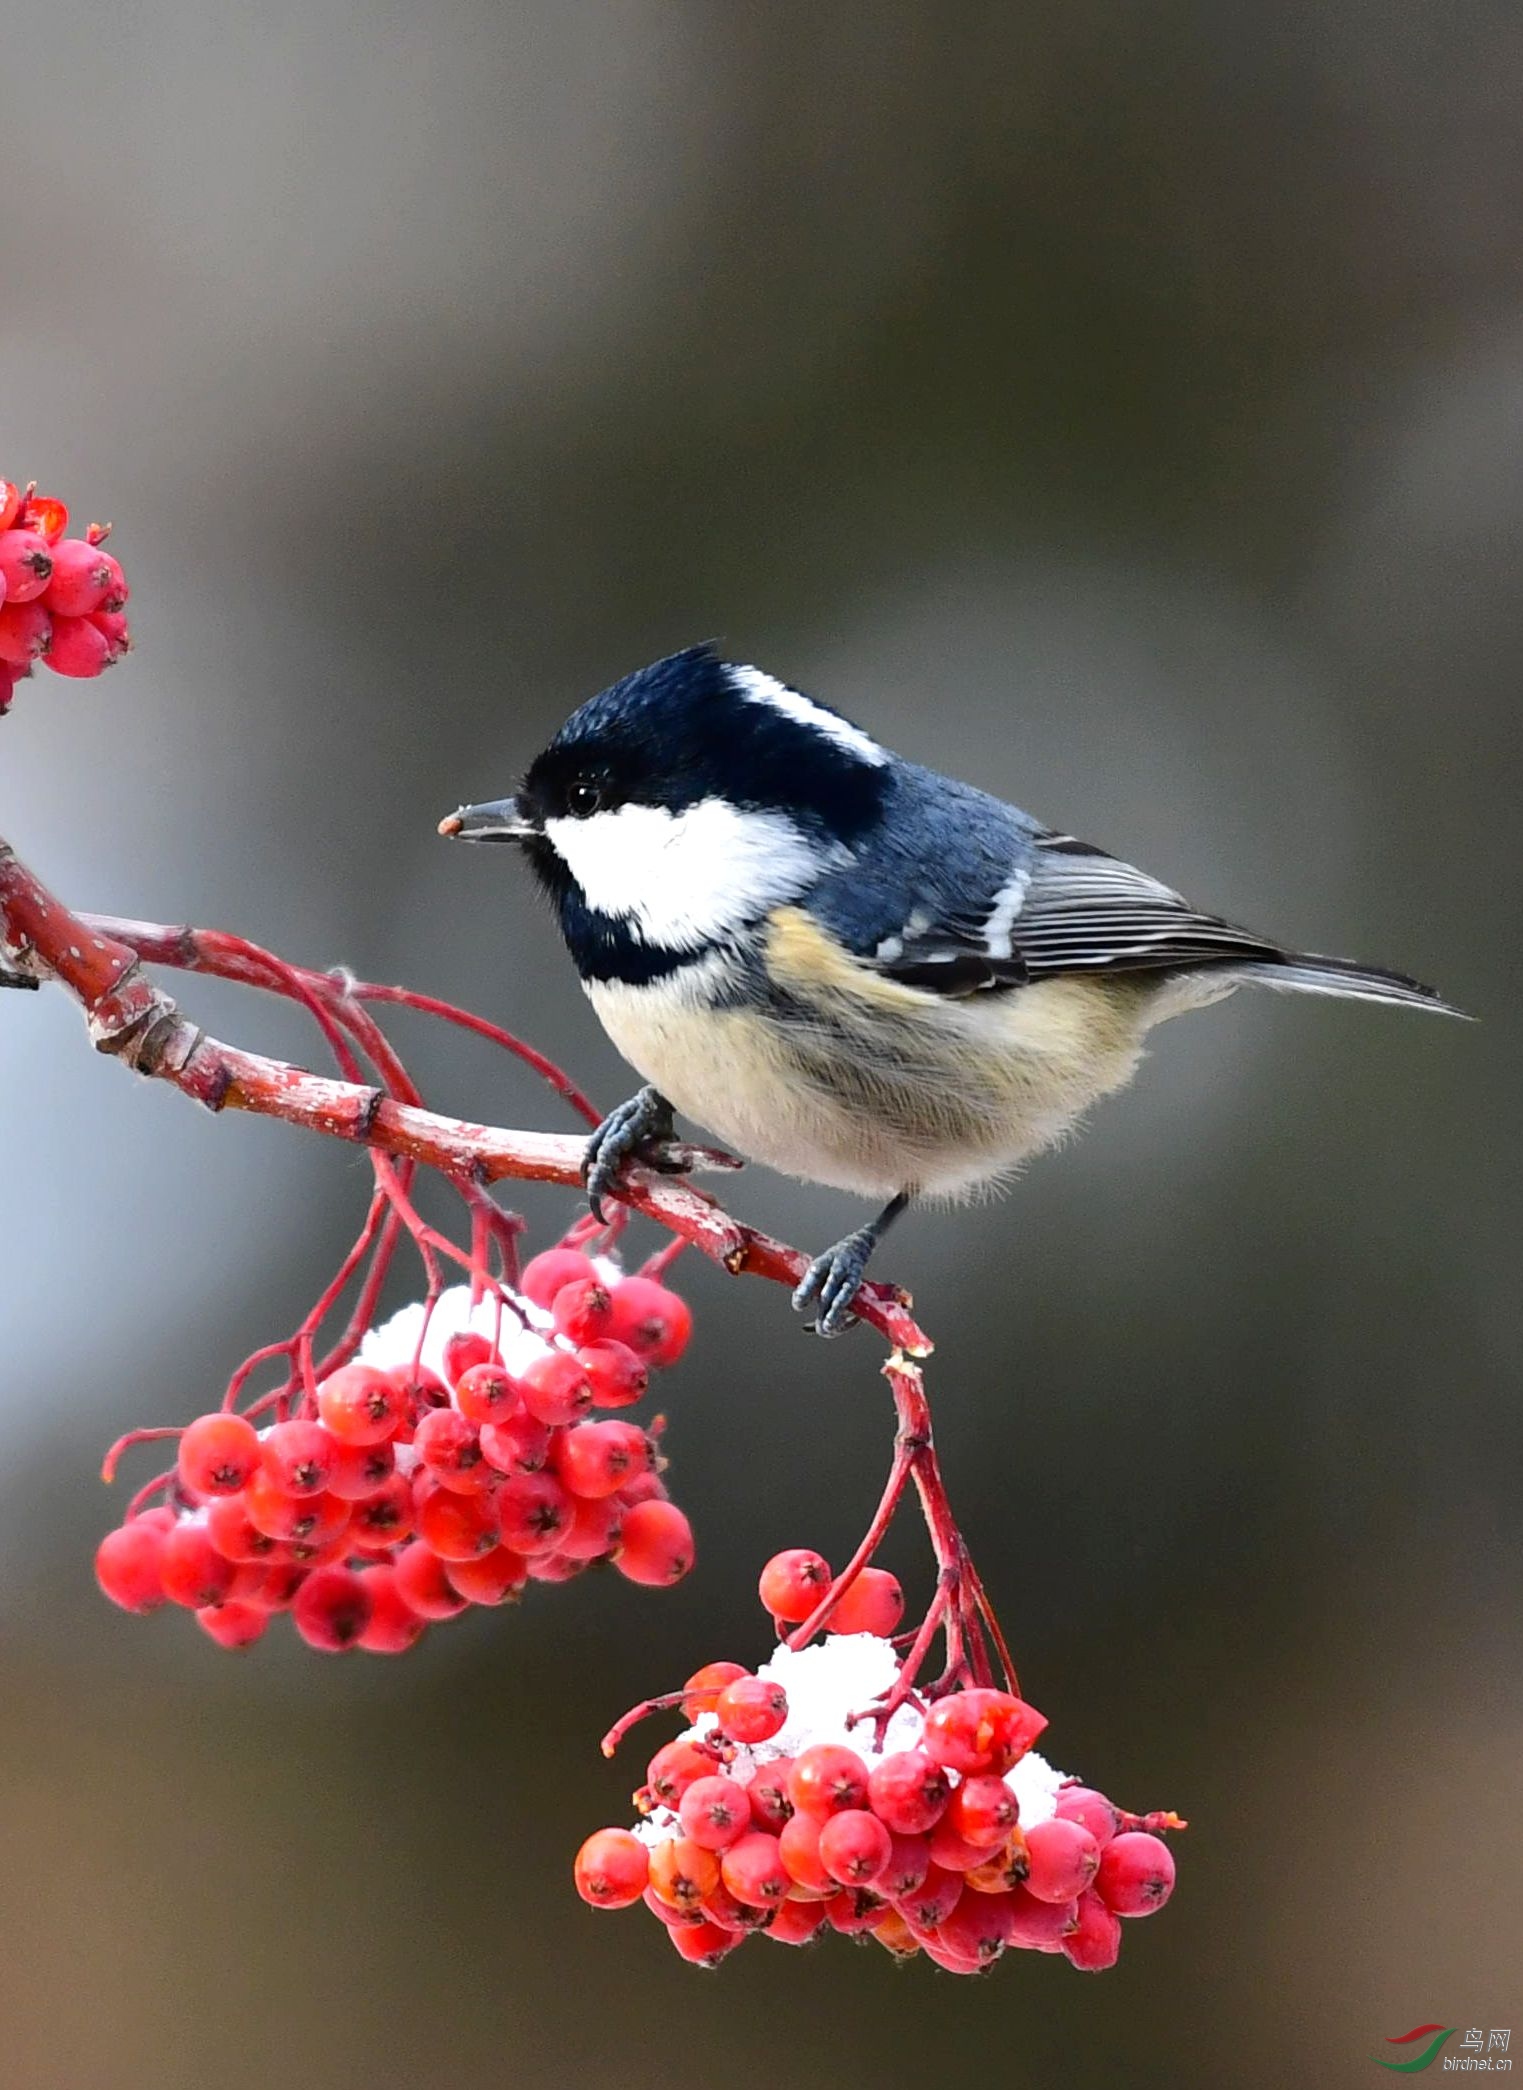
1000 927
762 688
681 879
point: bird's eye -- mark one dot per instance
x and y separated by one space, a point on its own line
584 798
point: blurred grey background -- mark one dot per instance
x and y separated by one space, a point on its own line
1121 406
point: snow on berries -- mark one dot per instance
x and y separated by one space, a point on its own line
61 598
464 1452
815 1795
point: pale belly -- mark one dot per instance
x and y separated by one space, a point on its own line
931 1097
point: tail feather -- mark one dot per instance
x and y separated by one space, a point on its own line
1304 972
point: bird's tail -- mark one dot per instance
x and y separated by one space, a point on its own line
1304 972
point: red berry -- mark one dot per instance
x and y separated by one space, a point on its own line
827 1778
450 1449
982 1810
26 566
597 1458
873 1604
1007 1868
393 1625
909 1791
491 1579
361 1470
1039 1925
194 1573
1095 1941
653 1321
619 1378
463 1352
1136 1874
553 1567
792 1583
80 579
331 1609
908 1866
701 1692
299 1457
933 1900
754 1871
218 1455
282 1579
853 1910
594 1528
556 1388
25 632
1081 1803
677 1766
798 1846
383 1518
645 1487
360 1405
979 1927
455 1526
485 1392
682 1872
547 1273
112 626
892 1932
583 1310
612 1869
855 1848
77 649
533 1512
1062 1859
273 1510
234 1536
11 498
420 1388
770 1804
704 1944
981 1730
48 517
656 1545
796 1922
519 1444
751 1709
129 1561
715 1812
117 594
423 1585
233 1625
954 1853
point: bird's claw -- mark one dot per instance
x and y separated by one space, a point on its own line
638 1130
832 1280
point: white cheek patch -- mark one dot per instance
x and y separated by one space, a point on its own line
760 688
681 879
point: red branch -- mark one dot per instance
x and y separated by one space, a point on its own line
99 960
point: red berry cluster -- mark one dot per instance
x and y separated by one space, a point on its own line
940 1832
403 1493
61 598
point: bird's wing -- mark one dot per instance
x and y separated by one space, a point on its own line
1067 908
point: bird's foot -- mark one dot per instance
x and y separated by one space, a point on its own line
640 1130
832 1280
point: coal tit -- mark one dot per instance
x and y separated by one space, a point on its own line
849 967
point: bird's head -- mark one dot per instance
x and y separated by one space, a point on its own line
687 799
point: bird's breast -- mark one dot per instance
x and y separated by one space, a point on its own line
868 1086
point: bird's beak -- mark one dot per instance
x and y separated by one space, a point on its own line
499 820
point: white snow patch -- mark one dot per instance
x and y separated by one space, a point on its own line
395 1342
825 1683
